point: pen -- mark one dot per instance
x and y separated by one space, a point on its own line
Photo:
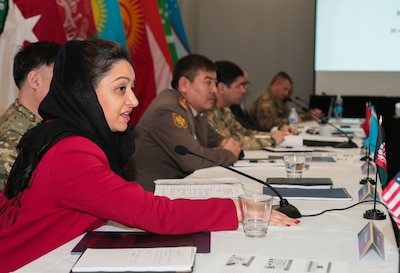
257 160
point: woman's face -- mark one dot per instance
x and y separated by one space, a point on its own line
116 97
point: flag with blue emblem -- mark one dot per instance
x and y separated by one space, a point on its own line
108 20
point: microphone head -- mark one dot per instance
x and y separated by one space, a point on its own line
182 150
324 120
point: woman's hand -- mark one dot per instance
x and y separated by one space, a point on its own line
279 219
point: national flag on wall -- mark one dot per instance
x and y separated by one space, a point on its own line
365 125
370 141
27 21
108 20
175 31
391 195
149 50
167 29
380 154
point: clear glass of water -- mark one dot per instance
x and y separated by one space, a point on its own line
256 210
307 161
294 164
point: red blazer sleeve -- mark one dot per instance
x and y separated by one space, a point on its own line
79 167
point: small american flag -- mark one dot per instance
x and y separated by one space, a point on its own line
391 195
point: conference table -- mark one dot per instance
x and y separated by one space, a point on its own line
329 237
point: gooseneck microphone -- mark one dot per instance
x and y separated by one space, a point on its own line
284 205
303 101
347 144
304 109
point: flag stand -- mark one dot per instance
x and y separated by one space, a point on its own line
374 214
367 179
366 156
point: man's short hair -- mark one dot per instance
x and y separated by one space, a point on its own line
33 56
228 72
188 67
281 75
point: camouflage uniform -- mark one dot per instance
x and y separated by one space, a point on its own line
269 111
13 124
224 122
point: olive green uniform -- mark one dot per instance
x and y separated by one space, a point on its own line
269 111
170 121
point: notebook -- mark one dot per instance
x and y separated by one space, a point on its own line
311 194
125 239
306 183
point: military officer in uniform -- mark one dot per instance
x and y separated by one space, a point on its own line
177 117
269 109
32 72
231 86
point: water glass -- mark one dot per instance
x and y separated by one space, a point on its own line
256 211
307 162
294 164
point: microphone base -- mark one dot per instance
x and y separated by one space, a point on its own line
287 209
365 180
374 214
365 158
346 145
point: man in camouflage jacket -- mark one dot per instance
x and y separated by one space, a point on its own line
231 86
32 71
269 109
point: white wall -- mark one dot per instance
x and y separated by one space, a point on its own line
262 36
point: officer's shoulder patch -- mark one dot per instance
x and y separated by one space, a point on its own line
179 121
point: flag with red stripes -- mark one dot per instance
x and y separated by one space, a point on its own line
391 195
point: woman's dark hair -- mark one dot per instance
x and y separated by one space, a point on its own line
71 108
99 57
189 66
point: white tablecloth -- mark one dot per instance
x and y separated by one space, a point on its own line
331 236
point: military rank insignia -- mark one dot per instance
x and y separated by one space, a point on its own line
183 103
179 121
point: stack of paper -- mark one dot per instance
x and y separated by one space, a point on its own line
199 188
172 259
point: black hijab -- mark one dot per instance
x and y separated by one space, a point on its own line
71 108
